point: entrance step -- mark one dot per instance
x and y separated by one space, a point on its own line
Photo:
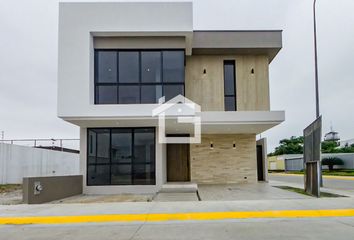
179 187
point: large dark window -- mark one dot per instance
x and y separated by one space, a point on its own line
106 67
173 66
121 156
128 77
229 85
128 70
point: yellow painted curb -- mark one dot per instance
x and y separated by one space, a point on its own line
324 176
193 216
339 177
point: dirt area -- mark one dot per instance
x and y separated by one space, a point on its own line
106 198
10 194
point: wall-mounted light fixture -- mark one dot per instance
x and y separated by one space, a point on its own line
204 71
211 145
252 71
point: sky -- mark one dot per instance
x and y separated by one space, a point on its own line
28 62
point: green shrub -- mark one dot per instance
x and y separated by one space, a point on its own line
331 161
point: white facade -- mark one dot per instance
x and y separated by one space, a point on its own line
79 23
86 26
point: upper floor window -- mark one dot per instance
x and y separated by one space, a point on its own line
128 77
229 85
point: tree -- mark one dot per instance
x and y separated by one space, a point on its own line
329 147
347 149
293 145
331 161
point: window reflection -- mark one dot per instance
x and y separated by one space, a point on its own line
132 77
124 156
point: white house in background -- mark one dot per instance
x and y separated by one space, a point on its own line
346 143
116 60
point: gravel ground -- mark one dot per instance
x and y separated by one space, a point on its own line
11 197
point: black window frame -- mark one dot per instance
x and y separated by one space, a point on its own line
110 163
140 83
234 96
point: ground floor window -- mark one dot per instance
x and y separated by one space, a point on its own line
121 156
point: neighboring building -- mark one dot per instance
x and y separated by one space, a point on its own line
115 62
346 143
275 163
332 136
279 162
295 162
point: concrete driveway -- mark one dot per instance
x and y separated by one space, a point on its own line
236 192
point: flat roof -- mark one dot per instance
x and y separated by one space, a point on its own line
262 42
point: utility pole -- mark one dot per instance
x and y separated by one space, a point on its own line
316 76
2 135
316 60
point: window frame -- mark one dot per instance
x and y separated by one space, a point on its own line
110 163
234 95
140 83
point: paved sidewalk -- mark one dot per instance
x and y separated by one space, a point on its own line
175 197
173 207
222 220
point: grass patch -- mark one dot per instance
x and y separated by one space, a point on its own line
302 191
345 173
349 173
9 187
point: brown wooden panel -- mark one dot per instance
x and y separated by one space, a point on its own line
178 163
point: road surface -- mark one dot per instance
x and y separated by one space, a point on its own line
328 182
279 229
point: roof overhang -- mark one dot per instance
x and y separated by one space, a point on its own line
264 42
239 122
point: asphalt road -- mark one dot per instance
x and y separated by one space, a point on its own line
252 229
337 184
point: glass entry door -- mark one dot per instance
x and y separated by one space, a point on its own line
121 156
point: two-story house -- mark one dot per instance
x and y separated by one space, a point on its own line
116 60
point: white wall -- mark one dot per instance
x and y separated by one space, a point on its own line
17 162
348 159
296 163
80 22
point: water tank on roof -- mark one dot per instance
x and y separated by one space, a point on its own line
332 136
